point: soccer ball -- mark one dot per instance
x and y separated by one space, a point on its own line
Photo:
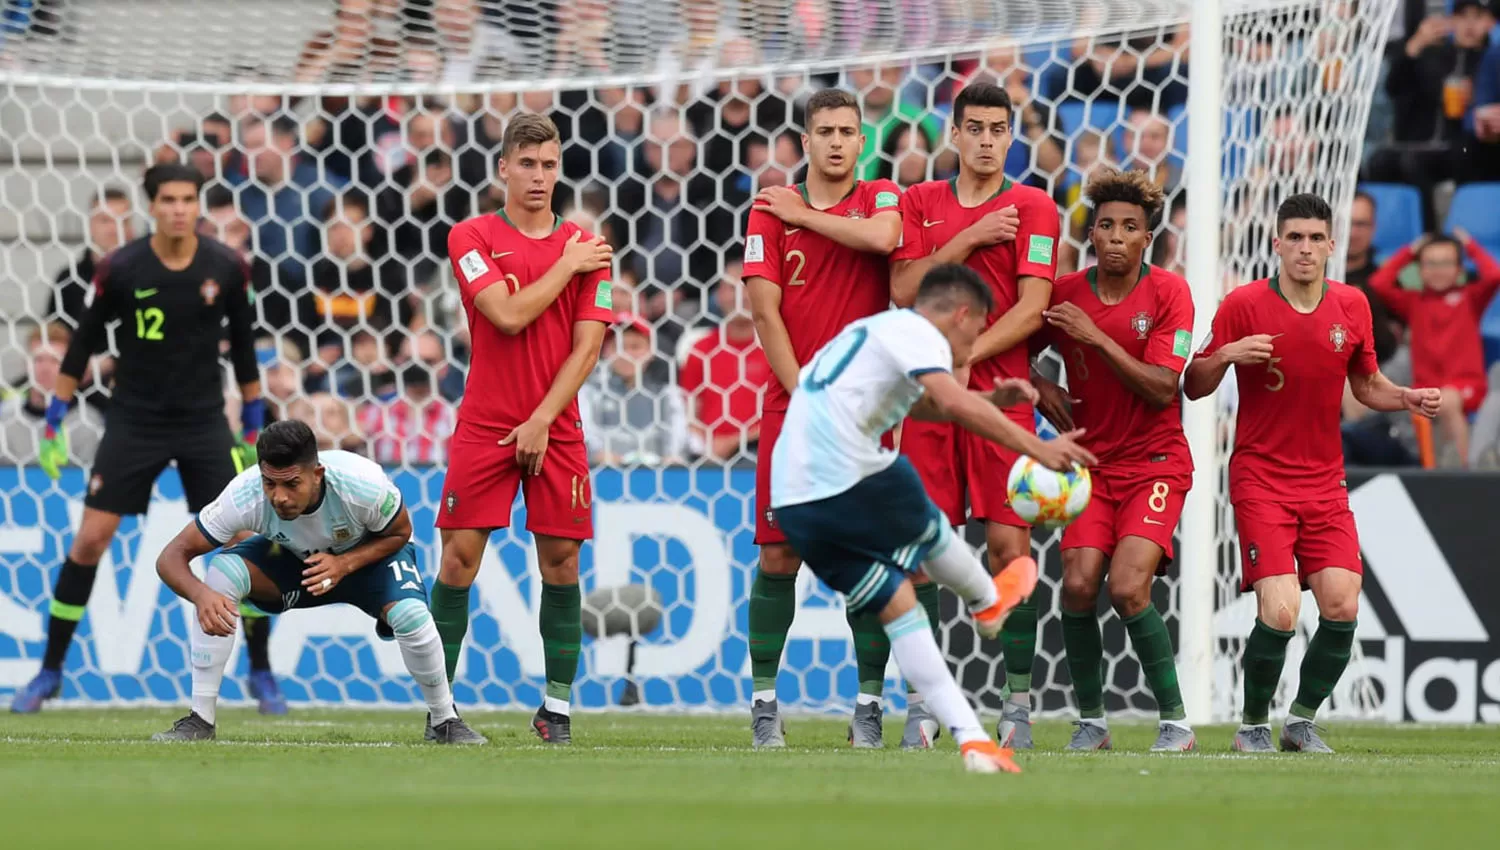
1043 497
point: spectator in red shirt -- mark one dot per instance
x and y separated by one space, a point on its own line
1446 349
724 376
411 427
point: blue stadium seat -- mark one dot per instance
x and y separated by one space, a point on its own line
1241 129
1099 115
1476 208
1398 215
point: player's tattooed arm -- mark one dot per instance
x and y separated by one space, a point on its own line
1019 322
1378 392
878 234
991 229
765 308
216 613
513 312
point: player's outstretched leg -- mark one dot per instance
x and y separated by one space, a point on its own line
1279 600
422 650
1131 572
773 605
922 730
1337 594
262 684
1083 646
561 623
70 597
923 664
228 575
1006 545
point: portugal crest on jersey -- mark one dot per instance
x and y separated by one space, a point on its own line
1337 335
855 213
1141 323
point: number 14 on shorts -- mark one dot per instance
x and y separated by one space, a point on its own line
399 567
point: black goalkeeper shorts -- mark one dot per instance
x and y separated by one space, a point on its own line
132 456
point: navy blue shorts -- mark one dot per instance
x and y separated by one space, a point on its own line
370 588
866 540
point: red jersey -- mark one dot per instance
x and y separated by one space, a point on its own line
1446 347
824 285
1287 446
1154 324
932 216
510 375
723 380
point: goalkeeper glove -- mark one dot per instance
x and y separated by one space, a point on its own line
252 417
52 451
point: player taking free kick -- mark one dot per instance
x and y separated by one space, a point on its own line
858 514
327 527
815 260
1008 234
1294 340
1125 331
537 293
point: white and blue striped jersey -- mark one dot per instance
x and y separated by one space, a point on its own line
857 387
358 499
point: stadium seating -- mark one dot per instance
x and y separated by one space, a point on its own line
1398 215
1476 208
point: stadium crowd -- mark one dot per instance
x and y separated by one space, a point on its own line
341 207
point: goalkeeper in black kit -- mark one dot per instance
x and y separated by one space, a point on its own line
173 293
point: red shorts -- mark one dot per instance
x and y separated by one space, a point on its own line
987 466
1472 393
766 531
479 490
935 452
1295 538
1130 504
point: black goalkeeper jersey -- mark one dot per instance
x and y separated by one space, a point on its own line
172 324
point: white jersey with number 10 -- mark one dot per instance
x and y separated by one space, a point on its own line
856 388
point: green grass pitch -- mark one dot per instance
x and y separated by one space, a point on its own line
334 778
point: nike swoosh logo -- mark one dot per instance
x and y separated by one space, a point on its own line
495 256
790 230
926 223
1150 521
145 293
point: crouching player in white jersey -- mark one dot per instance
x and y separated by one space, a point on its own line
327 527
857 513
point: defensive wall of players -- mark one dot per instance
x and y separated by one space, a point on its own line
1430 627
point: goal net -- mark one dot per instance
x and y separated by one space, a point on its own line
343 139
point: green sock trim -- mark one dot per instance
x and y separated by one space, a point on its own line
872 649
562 635
1018 647
773 605
1265 655
1084 647
450 613
64 611
1153 648
1324 664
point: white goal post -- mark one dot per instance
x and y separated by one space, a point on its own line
673 112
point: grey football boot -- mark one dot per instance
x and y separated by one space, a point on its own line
452 731
1014 730
766 729
867 729
1174 738
922 729
1089 737
1301 736
1253 739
